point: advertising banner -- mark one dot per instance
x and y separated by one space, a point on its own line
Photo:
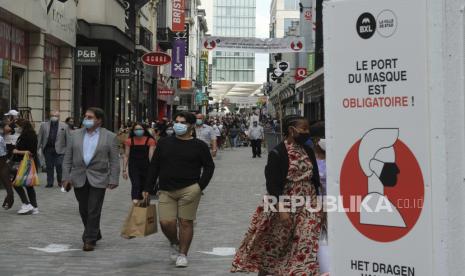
178 15
179 58
378 151
202 65
255 45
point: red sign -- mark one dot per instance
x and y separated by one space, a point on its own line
156 59
300 74
308 15
178 16
166 92
379 161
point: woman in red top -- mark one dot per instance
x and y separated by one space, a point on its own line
139 149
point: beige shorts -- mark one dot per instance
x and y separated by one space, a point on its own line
181 203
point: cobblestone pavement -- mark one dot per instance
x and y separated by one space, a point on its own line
223 218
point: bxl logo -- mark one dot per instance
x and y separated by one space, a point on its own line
366 25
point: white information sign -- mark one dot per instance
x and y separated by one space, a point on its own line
377 131
290 44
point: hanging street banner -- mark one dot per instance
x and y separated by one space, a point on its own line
255 45
179 58
178 15
203 68
210 76
184 35
377 129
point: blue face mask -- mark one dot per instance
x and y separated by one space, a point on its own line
88 123
139 132
180 129
199 122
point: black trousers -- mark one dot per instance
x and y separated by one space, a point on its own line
53 161
5 176
90 201
137 174
256 147
29 198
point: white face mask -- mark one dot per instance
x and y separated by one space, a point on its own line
18 130
54 119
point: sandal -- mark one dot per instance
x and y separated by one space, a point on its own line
8 202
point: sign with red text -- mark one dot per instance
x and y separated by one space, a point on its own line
178 16
165 92
156 59
377 110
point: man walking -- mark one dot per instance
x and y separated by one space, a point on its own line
205 133
52 141
91 165
184 167
256 136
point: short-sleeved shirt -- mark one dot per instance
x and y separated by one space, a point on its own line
140 141
205 133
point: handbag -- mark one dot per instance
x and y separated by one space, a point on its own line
26 173
141 220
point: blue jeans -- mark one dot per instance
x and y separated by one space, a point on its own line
53 161
233 141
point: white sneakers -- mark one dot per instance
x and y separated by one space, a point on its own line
26 209
35 211
182 261
175 256
174 252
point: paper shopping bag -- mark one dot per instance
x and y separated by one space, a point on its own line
141 221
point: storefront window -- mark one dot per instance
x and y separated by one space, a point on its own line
52 77
4 86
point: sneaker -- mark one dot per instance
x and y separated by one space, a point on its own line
174 252
35 211
26 209
182 261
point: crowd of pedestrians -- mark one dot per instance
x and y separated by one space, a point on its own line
175 161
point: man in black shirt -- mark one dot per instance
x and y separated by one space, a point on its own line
184 167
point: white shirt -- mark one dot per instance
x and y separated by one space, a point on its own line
256 132
3 151
11 139
90 145
205 133
217 131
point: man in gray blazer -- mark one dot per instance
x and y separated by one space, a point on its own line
91 165
52 141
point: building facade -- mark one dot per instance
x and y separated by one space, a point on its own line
234 18
37 40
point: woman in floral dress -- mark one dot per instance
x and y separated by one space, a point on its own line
285 243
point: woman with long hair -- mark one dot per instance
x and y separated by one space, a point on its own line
285 242
139 149
26 143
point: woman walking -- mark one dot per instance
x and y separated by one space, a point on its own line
139 149
26 143
285 243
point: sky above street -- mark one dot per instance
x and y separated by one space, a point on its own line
263 31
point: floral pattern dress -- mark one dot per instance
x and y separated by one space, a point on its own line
278 249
